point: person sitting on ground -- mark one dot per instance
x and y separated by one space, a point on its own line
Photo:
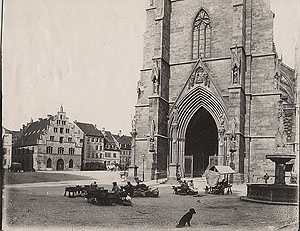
93 186
266 177
115 189
178 177
129 188
192 186
141 186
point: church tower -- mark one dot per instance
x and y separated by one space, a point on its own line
153 92
210 89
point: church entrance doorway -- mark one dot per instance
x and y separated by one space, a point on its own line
60 165
201 141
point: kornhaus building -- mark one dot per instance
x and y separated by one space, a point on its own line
51 143
212 89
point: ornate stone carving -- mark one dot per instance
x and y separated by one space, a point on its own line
156 77
222 130
199 76
151 138
280 137
133 123
235 66
232 136
277 75
140 89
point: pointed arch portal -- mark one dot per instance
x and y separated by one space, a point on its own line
201 141
194 125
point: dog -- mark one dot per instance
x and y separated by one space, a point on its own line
186 219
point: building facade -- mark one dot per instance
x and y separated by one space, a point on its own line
212 89
93 147
49 144
7 138
124 145
111 149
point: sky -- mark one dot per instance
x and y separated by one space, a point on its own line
86 55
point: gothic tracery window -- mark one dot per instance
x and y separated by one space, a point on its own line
201 35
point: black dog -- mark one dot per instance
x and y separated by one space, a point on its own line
186 219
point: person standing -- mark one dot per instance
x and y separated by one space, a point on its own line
266 177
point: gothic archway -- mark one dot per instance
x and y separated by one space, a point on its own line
49 163
60 165
201 142
182 114
71 163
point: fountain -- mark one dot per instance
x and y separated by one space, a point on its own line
279 192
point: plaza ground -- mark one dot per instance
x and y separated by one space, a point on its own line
42 206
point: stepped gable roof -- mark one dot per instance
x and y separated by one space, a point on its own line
89 129
31 134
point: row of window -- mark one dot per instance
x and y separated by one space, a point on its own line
99 155
62 122
93 139
61 130
97 147
61 139
60 150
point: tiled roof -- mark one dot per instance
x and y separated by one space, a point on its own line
125 140
31 134
89 129
108 138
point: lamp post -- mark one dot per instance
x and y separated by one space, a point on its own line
143 156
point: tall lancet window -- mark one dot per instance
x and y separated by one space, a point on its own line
201 35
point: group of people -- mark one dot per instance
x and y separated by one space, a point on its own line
187 186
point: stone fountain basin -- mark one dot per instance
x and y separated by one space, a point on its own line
282 158
269 193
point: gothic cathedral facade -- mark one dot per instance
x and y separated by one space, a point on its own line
212 89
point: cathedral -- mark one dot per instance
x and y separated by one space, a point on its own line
212 90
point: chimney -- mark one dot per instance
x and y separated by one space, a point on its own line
120 133
49 116
103 131
40 119
95 125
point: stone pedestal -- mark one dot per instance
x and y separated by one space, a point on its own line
280 160
173 172
132 173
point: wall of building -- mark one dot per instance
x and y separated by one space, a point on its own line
7 149
256 108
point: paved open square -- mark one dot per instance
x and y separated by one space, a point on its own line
42 206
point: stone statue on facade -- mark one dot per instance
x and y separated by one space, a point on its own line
235 74
222 130
151 139
156 77
139 89
232 136
133 123
235 66
199 76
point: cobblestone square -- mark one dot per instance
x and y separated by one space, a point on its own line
42 206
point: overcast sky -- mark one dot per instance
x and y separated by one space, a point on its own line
86 55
